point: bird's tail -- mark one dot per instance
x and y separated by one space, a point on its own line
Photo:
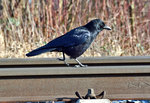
39 51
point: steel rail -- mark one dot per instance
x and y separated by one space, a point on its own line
89 60
48 79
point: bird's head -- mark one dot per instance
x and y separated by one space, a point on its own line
97 24
100 25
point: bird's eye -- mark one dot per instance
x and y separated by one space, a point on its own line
102 25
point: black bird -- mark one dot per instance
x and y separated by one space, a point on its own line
75 42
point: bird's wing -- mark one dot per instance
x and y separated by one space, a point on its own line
72 38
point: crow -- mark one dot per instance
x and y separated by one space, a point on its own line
74 43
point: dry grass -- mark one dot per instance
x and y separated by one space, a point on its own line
26 26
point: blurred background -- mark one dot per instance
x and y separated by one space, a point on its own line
28 24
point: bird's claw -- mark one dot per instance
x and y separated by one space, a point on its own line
60 59
67 64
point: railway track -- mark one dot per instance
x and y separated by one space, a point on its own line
49 79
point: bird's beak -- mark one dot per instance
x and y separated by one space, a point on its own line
106 27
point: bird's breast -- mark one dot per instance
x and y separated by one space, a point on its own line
76 51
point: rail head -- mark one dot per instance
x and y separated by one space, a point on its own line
51 66
88 60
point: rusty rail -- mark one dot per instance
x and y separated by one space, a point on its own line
49 79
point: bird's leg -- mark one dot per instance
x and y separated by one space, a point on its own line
80 64
63 59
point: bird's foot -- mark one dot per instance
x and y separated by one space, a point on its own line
62 59
66 63
80 64
77 66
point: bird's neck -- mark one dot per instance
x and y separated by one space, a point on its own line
90 28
